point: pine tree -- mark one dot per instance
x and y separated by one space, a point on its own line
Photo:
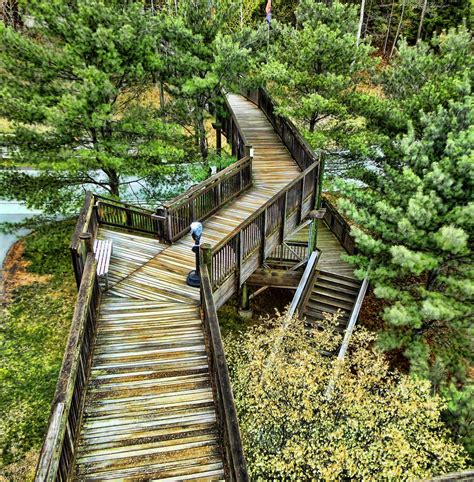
314 69
73 89
415 228
204 60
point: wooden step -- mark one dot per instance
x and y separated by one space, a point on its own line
325 285
318 299
324 308
331 279
334 294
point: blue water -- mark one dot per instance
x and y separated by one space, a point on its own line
12 212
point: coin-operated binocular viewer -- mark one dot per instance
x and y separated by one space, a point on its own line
194 277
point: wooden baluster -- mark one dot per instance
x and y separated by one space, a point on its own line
263 237
239 256
282 228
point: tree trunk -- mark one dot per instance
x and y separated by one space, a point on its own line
201 139
361 21
398 29
422 17
312 123
114 181
388 29
10 14
367 18
432 277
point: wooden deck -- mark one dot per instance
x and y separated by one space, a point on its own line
331 250
149 412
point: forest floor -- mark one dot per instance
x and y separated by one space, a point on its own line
38 299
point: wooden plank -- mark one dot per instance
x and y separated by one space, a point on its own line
275 278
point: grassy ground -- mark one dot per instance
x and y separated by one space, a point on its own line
33 332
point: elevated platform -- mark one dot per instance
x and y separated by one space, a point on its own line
149 411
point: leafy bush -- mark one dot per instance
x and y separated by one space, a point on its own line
374 424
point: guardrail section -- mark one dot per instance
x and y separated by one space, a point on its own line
228 424
237 257
204 199
57 456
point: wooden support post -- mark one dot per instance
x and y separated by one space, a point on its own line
245 311
205 257
313 232
128 215
300 217
87 238
240 255
264 237
282 231
244 299
312 242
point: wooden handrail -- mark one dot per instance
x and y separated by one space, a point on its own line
207 197
57 455
339 226
347 335
305 286
353 318
293 140
248 245
110 200
265 206
235 465
236 122
83 220
192 192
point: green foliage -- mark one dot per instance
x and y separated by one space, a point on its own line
313 70
47 248
33 332
201 58
375 425
430 74
73 89
415 228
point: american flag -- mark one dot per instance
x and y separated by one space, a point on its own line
268 10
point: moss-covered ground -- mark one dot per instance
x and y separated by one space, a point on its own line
34 324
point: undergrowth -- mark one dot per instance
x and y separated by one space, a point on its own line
33 332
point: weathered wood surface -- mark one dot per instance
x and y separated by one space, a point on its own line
163 277
331 250
150 413
275 278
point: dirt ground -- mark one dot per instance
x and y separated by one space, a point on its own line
14 272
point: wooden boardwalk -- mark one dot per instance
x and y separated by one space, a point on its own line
149 410
331 250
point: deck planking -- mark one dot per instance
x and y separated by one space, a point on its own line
331 250
149 411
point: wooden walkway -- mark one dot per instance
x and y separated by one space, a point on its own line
331 250
149 412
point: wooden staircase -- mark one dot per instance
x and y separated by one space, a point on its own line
331 292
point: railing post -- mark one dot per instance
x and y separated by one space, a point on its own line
303 182
240 255
128 215
87 238
205 257
218 127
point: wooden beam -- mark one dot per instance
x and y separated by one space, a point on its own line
275 278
